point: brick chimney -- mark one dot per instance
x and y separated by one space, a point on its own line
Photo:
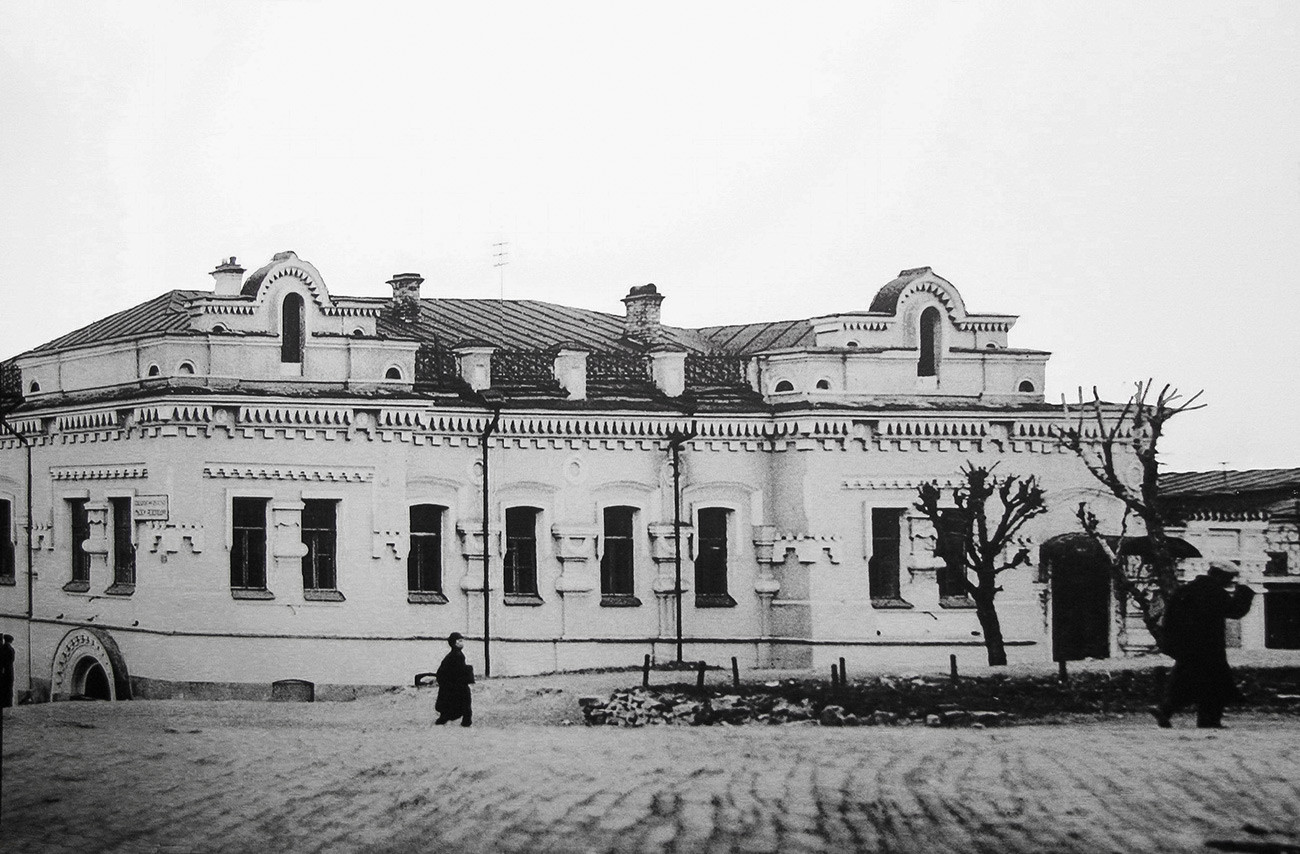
406 295
642 320
229 277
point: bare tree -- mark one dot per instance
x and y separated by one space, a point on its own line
1144 570
979 537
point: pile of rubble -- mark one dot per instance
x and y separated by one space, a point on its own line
646 707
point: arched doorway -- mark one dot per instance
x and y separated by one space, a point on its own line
1078 572
89 665
90 682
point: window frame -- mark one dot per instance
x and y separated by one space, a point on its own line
8 546
320 564
121 548
427 545
79 532
247 591
519 580
885 587
293 340
618 557
930 341
708 566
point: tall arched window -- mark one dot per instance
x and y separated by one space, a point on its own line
291 329
929 358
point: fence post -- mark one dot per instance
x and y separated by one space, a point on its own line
699 677
844 673
645 672
952 667
835 676
735 672
1062 673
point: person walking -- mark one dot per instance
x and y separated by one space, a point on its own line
454 678
1195 638
6 671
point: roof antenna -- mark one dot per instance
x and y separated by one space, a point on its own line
500 258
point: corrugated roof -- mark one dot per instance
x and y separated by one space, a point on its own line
1229 482
748 338
168 312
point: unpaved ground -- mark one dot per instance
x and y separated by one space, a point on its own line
374 775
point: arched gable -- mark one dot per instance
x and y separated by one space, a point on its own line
287 264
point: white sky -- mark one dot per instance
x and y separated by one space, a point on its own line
1123 176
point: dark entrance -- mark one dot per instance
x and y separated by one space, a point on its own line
1079 574
92 681
1281 616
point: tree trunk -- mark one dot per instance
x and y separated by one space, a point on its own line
988 617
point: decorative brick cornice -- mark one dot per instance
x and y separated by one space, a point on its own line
909 483
126 471
326 474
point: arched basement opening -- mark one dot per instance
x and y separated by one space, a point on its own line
90 682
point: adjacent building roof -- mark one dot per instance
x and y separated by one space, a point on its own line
1253 494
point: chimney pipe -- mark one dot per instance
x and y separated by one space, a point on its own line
229 278
406 295
642 321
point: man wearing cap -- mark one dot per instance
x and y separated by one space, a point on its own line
454 678
1194 637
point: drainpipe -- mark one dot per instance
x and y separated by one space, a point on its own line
27 445
492 400
675 441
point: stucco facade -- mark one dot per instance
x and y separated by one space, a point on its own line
265 481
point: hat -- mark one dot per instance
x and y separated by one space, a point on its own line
453 637
1222 569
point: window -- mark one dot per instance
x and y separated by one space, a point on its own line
291 323
393 374
123 547
824 385
424 555
218 329
319 570
185 368
1026 385
617 579
248 544
885 563
952 575
6 542
784 386
1277 564
928 363
711 559
154 371
80 531
521 552
34 387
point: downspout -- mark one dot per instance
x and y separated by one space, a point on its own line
675 441
28 531
487 590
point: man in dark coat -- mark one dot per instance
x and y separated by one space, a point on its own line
454 678
1194 636
6 671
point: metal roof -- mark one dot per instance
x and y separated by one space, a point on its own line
168 312
1229 482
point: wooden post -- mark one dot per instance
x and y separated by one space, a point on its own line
699 677
844 673
835 676
952 667
645 672
735 672
1062 673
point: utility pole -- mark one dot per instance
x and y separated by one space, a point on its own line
675 441
492 401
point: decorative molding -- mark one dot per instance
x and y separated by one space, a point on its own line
807 548
101 420
125 471
917 428
295 416
245 471
908 483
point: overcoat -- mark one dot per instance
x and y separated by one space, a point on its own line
1195 637
454 678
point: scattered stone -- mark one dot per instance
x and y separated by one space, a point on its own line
933 720
832 716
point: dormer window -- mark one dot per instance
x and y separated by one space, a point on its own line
291 323
185 368
34 387
393 373
927 364
784 386
824 385
154 370
1026 386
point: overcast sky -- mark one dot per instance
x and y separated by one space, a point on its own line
1124 177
